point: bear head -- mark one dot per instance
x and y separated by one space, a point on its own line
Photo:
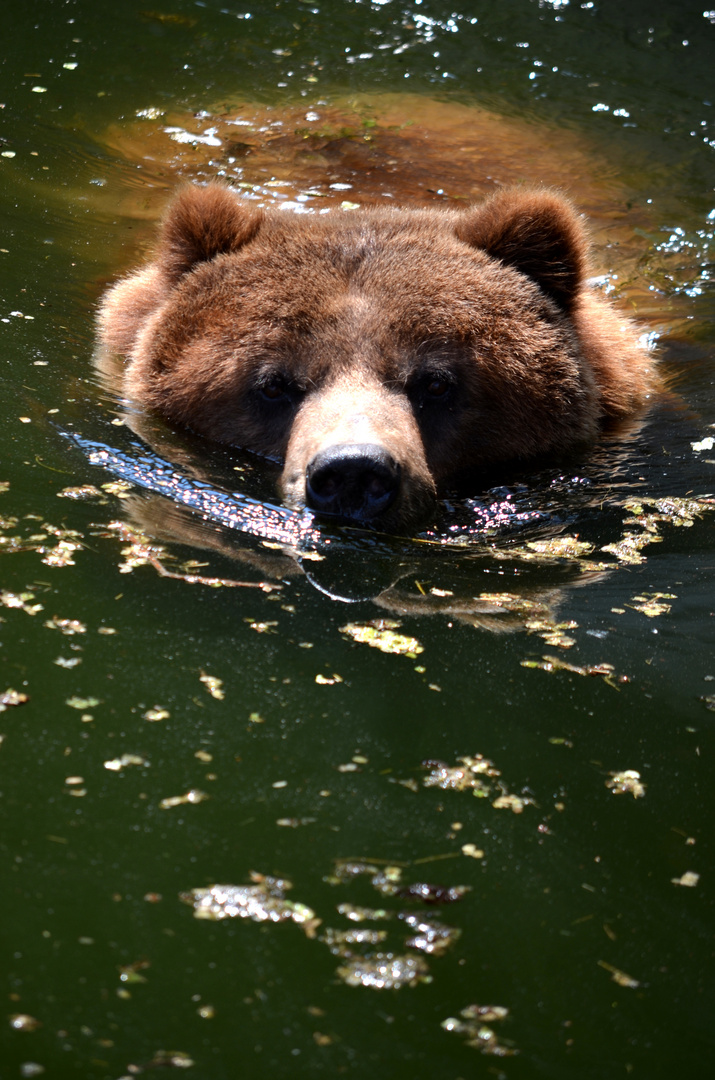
375 352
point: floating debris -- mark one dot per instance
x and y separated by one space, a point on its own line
651 604
676 511
387 880
553 633
347 869
144 552
463 777
429 937
560 547
73 787
31 1068
473 1022
338 941
264 901
515 604
21 601
121 488
131 973
175 1059
488 1013
555 549
619 976
11 698
515 803
432 894
627 782
380 634
628 549
213 685
75 702
553 663
192 797
328 680
362 914
468 776
126 759
650 515
68 627
262 627
385 971
85 491
61 555
24 1022
410 783
689 879
158 712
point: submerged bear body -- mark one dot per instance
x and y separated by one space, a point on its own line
376 353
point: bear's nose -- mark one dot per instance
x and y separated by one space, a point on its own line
352 480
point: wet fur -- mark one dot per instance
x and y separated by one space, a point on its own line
287 334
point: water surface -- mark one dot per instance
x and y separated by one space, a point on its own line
167 656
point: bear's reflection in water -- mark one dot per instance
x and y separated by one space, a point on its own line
510 595
443 342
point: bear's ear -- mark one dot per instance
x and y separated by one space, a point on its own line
536 232
201 223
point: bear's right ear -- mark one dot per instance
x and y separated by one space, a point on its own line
201 223
536 232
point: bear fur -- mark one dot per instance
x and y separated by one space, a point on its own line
377 353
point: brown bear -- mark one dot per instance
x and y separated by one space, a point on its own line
376 352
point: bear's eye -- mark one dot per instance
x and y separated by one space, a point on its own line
273 390
437 387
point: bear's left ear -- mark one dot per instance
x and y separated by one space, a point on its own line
201 223
536 232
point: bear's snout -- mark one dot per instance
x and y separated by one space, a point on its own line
355 452
356 481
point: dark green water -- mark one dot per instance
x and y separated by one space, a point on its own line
97 946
